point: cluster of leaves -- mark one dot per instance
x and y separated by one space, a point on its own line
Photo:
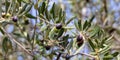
45 36
99 41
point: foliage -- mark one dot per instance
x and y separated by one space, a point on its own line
44 40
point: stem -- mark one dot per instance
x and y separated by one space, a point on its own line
12 39
88 55
105 6
58 57
105 10
33 38
9 6
5 57
20 28
44 20
97 57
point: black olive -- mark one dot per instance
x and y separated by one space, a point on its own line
15 18
26 22
58 26
47 47
80 43
79 38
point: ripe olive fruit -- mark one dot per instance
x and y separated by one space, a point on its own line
15 18
80 40
58 26
26 22
47 47
80 43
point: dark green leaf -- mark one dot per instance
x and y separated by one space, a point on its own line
47 14
52 11
60 33
42 16
89 24
95 31
80 25
70 45
47 33
91 19
91 44
17 34
65 41
105 49
6 45
28 37
52 34
63 17
103 41
43 7
1 31
108 57
85 25
115 54
60 13
7 4
60 16
97 42
76 25
28 8
23 9
70 20
30 16
59 19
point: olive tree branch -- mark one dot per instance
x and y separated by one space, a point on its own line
85 55
44 20
12 39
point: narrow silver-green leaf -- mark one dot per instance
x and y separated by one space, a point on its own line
71 19
91 44
1 31
79 25
60 33
85 25
30 16
70 45
76 25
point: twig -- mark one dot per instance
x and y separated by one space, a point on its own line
45 20
12 39
34 32
58 57
84 54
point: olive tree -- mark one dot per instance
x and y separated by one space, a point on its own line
52 36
